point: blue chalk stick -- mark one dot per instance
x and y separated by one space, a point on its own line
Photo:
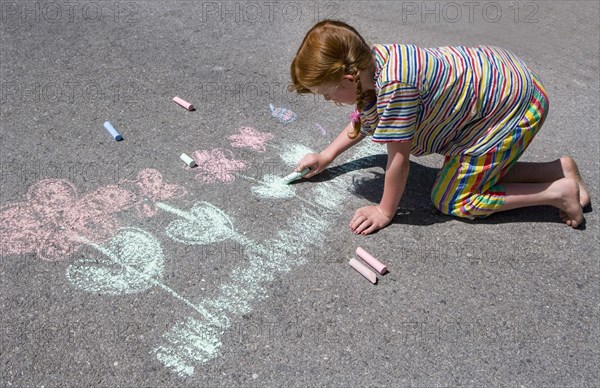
113 132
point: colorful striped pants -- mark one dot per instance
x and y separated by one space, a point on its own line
467 186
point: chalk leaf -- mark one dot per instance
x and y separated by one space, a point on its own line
203 224
131 262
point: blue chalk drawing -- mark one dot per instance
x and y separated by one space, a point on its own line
273 187
292 153
203 224
282 114
191 342
133 263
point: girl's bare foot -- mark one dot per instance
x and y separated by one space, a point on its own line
570 170
568 201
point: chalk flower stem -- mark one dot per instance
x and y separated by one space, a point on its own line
115 259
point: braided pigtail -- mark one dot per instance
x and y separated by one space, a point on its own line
362 99
359 104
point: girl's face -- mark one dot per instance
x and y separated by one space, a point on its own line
342 93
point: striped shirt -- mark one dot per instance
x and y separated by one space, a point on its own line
446 100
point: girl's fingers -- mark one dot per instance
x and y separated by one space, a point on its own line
305 162
370 229
356 220
364 225
313 166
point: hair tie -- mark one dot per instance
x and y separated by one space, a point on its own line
355 116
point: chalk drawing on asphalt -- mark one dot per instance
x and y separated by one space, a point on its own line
283 115
216 165
249 137
191 343
134 258
55 216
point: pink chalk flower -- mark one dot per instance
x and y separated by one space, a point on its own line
251 138
217 165
152 189
54 220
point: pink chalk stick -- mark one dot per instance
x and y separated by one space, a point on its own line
183 103
364 271
373 262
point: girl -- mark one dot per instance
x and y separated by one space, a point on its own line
479 107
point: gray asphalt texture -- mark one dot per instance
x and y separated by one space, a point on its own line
507 301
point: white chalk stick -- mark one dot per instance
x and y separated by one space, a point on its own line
187 160
373 262
295 175
183 103
363 270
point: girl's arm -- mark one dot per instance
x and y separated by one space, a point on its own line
368 219
396 175
341 143
318 162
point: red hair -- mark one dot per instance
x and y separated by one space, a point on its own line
330 50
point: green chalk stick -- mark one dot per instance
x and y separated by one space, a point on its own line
295 175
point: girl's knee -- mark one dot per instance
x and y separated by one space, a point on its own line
457 208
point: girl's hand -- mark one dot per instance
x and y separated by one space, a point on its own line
369 219
315 162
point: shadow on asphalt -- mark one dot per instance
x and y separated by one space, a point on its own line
416 207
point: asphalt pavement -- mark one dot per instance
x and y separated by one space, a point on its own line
121 266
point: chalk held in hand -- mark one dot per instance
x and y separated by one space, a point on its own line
183 103
113 132
187 160
295 175
364 271
373 262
